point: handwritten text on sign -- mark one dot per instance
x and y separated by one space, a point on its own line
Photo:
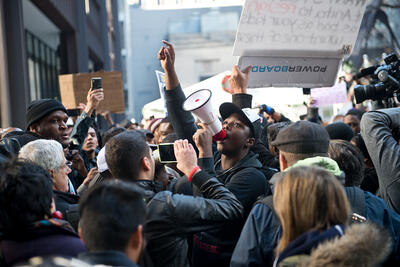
319 25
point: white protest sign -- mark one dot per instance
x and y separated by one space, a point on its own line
285 72
308 29
329 95
161 84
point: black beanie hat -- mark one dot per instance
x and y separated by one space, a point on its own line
339 130
38 109
303 137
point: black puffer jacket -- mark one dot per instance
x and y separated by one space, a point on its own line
171 218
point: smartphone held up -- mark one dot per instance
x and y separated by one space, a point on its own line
164 152
95 83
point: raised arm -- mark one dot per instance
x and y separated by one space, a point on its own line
182 121
238 82
384 149
81 127
175 214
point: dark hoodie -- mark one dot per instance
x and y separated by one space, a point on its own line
247 183
43 238
244 180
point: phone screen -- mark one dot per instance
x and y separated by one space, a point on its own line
166 152
96 83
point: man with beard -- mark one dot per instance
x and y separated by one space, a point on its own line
112 216
233 164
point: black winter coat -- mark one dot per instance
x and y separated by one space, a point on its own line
171 218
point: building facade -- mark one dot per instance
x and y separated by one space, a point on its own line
41 39
203 39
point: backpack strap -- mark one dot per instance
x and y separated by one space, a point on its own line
267 201
356 198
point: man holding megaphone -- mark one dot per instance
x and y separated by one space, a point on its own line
233 163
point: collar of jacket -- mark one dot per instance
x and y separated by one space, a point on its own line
322 162
109 258
66 196
374 241
150 188
250 160
40 229
304 243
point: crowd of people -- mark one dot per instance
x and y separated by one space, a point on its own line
274 192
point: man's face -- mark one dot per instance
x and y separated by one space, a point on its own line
53 126
60 178
90 143
237 133
353 122
164 129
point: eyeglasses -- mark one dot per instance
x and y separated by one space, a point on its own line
68 164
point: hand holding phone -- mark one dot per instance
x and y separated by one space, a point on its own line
185 156
166 153
94 96
95 83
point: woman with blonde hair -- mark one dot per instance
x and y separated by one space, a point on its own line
312 207
314 212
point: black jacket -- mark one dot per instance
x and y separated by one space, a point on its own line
68 204
171 218
14 141
43 238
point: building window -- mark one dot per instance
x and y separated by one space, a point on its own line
43 68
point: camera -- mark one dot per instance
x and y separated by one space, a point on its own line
384 81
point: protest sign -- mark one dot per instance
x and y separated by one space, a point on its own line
326 96
161 84
297 35
74 89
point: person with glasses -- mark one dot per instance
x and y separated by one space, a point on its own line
49 155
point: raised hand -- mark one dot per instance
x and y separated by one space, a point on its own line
166 55
94 97
203 140
239 80
185 156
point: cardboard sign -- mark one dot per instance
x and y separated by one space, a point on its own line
311 30
74 89
329 95
161 84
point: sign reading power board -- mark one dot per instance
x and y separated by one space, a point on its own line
296 42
